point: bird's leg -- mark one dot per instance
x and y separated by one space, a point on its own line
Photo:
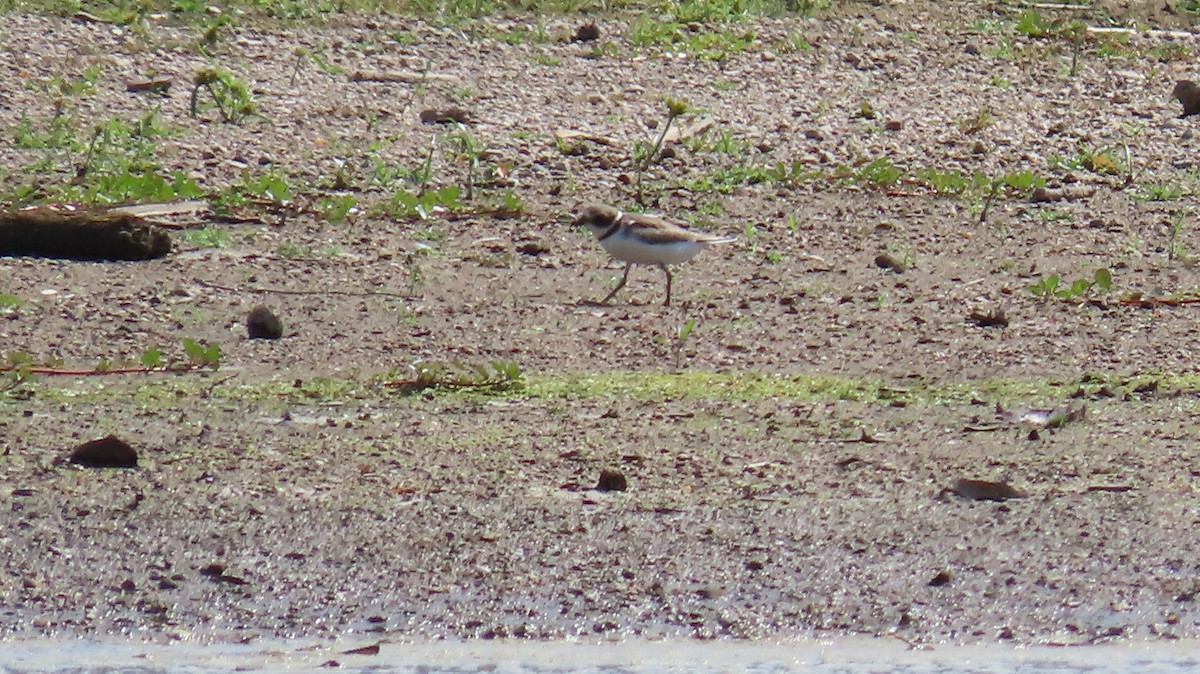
620 285
668 273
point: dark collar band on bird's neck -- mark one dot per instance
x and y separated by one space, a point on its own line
612 229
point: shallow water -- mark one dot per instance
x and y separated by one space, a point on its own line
841 657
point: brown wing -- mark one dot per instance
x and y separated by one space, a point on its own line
660 230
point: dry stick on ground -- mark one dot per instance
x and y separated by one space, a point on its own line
52 371
1139 301
281 291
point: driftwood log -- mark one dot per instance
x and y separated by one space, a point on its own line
81 235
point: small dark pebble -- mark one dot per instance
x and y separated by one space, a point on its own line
887 261
942 578
262 323
109 452
214 570
1188 95
994 318
533 248
983 490
611 479
587 32
446 116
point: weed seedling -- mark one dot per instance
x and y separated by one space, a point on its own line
645 154
231 96
1175 249
681 337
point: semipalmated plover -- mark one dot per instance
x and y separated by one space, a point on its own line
635 238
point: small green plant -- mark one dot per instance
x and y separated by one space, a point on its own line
1051 287
982 119
1175 249
60 88
645 154
1019 182
201 354
317 57
1033 24
207 237
336 208
424 204
16 373
1165 191
681 337
494 377
152 358
880 172
469 150
231 96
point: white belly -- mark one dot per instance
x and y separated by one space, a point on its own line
629 249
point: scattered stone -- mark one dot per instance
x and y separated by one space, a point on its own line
452 115
109 452
214 570
992 318
262 323
888 261
365 650
942 578
587 32
893 125
611 479
156 85
1188 94
983 490
1042 195
86 234
533 248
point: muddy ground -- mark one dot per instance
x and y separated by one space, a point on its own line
788 461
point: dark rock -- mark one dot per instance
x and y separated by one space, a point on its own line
587 32
452 115
993 318
611 479
983 490
88 234
262 323
942 578
214 570
1188 95
887 261
109 452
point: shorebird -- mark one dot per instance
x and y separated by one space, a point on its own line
635 238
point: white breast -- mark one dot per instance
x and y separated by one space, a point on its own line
628 248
